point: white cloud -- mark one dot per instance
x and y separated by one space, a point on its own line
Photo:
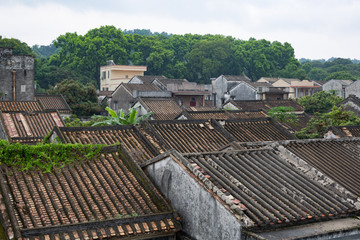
316 29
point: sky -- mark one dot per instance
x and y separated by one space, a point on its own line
316 29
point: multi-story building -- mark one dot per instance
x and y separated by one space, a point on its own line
112 75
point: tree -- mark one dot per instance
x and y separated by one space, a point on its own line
81 98
119 118
319 102
19 48
283 114
317 125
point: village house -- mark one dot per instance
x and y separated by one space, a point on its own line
338 86
112 75
342 132
107 197
294 87
270 191
145 79
16 76
125 94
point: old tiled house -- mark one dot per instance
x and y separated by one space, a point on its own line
263 105
108 197
54 102
125 94
253 194
162 108
130 137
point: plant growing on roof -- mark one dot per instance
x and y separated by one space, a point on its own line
283 114
119 118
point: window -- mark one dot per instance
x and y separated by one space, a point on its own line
126 76
109 74
103 75
23 88
193 102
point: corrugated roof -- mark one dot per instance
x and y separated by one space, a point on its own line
337 159
188 135
23 106
150 78
237 78
29 127
105 198
137 146
256 130
261 185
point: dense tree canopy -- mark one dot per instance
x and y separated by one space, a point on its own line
319 102
81 98
192 56
19 48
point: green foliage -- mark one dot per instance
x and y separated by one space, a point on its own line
320 122
319 102
45 157
283 114
195 57
19 48
44 51
81 98
119 118
335 68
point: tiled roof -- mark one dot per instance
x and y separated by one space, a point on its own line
188 135
346 131
206 115
29 127
137 146
266 104
254 130
201 108
24 106
236 78
247 114
162 108
223 114
140 87
165 81
302 122
105 198
53 102
337 159
262 186
150 78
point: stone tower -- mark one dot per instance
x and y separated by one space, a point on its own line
16 76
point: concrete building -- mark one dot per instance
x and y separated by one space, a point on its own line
112 75
295 87
16 76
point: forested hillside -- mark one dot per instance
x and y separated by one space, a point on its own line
195 57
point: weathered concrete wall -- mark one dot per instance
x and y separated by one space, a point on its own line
353 89
2 131
203 217
244 92
23 69
219 87
121 99
334 85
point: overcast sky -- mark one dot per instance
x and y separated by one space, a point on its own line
315 28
